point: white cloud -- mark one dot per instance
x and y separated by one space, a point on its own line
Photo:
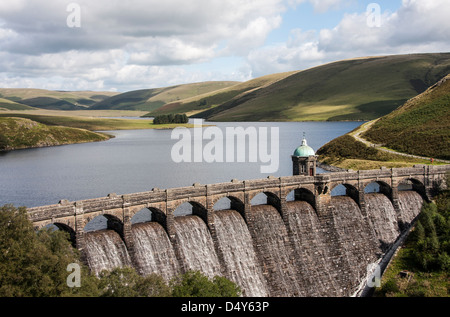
114 24
169 51
117 37
147 43
419 26
321 6
325 5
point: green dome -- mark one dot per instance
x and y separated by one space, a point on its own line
304 150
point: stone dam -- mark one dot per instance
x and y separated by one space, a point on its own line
313 244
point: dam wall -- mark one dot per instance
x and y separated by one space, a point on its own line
317 244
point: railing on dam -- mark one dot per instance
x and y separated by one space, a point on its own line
424 178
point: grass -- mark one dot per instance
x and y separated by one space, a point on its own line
348 153
416 283
79 113
11 105
419 127
152 99
210 100
56 100
421 267
359 89
21 133
93 124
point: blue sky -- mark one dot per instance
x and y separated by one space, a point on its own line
306 17
136 44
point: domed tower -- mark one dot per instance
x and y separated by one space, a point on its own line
304 160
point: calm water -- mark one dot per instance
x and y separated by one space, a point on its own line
137 161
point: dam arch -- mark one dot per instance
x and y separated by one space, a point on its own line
233 201
104 222
350 190
416 185
230 203
381 187
142 216
302 194
149 214
188 207
272 199
64 228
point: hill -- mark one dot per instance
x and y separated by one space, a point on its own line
199 103
420 127
151 99
52 100
356 89
11 105
20 133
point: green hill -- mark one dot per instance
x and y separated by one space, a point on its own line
20 133
151 99
11 105
357 89
420 127
51 100
199 103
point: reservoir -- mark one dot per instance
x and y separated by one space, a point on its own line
138 161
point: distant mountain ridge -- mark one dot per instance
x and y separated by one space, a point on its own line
52 100
355 89
151 99
216 98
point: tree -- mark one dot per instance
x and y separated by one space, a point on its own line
196 284
4 142
35 264
430 236
126 282
170 119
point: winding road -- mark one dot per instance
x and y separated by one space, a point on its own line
366 126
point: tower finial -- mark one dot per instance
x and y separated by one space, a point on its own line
304 143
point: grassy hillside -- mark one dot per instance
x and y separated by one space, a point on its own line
11 105
348 153
358 89
199 103
91 123
420 127
54 100
151 99
20 133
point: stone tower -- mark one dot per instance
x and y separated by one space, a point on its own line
304 160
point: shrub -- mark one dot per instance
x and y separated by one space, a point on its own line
3 141
171 118
196 284
126 282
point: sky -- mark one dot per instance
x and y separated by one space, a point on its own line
112 45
